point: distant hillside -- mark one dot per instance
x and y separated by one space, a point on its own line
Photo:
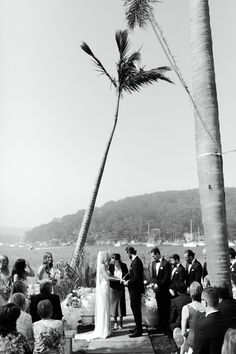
128 218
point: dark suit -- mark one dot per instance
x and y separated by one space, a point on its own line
176 309
227 308
162 279
136 288
233 268
204 270
209 334
195 273
55 301
179 277
175 317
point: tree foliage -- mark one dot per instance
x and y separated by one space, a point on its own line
128 218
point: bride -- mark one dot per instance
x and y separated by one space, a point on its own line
102 306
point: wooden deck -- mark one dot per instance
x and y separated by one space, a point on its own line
118 342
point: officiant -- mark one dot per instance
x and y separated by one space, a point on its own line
118 306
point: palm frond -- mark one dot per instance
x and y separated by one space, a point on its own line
87 49
122 42
138 12
142 77
99 65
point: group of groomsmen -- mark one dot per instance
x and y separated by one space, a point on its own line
168 276
170 281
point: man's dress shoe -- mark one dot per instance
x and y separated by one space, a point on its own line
136 334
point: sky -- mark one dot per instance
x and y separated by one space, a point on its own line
56 111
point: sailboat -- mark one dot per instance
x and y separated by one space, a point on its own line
195 240
153 237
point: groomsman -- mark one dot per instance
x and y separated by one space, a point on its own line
136 289
178 274
193 268
160 280
232 259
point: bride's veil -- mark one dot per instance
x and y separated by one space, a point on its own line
102 255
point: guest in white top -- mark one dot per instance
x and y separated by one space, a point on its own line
24 322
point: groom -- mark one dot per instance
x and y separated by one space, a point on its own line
136 289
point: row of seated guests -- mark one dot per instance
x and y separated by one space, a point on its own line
48 333
41 329
198 321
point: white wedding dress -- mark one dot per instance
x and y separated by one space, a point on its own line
102 305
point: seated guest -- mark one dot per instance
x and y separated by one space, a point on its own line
19 287
177 304
45 294
191 314
48 333
11 341
175 312
227 305
24 322
178 274
229 344
210 331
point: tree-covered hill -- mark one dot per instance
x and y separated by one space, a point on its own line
169 211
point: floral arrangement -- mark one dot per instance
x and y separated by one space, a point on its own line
67 281
71 309
78 303
149 299
5 292
50 338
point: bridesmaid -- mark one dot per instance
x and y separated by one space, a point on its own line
21 270
5 280
46 270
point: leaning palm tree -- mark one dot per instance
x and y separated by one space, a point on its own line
207 130
129 79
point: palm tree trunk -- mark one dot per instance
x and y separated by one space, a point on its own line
208 144
89 211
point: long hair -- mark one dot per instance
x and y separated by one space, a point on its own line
8 316
5 270
229 345
19 268
48 266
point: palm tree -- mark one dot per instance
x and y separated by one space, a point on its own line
207 130
129 79
208 143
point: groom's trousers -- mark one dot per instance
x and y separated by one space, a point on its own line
135 304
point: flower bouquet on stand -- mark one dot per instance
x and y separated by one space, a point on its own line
71 310
87 305
149 307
